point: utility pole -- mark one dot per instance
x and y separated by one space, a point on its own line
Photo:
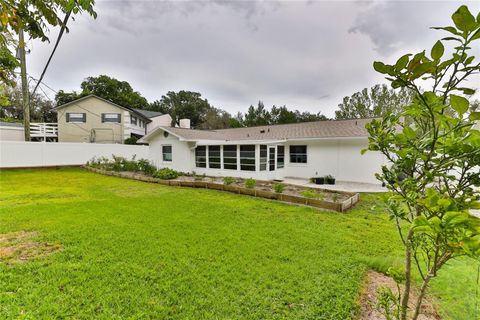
25 94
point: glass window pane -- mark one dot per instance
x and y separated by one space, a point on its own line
201 157
247 157
167 153
298 154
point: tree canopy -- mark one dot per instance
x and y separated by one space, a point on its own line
41 108
119 92
257 116
184 104
376 102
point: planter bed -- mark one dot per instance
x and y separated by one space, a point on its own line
325 199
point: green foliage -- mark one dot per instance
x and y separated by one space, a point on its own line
166 174
122 164
434 149
387 303
132 140
146 167
228 181
111 89
250 183
278 187
309 193
257 116
41 109
377 101
183 104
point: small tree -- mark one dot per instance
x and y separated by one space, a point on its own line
434 154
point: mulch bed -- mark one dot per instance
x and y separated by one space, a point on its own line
369 298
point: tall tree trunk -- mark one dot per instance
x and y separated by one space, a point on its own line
408 275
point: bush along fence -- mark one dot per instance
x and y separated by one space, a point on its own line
142 171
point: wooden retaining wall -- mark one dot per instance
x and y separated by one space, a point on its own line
317 203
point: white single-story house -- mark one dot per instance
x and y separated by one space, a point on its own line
274 152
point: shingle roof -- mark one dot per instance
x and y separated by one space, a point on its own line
148 114
305 130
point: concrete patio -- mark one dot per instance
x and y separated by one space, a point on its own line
347 186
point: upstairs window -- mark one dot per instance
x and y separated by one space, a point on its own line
280 157
76 117
201 157
214 157
230 157
247 157
263 157
111 117
167 153
133 120
298 154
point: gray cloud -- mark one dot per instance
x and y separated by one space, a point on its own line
303 55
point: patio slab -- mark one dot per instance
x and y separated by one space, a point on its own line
347 186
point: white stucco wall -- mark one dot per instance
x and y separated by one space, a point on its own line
341 158
11 133
16 154
182 156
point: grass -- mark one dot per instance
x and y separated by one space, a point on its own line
137 250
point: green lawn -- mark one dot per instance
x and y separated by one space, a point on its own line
137 250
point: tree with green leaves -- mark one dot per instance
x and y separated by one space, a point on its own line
34 18
434 154
183 104
116 91
375 102
41 108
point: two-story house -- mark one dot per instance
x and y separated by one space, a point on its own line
97 120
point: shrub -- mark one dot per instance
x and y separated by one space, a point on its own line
278 187
250 183
166 174
309 193
146 167
131 140
228 181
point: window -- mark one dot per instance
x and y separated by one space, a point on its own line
298 154
271 162
111 117
167 153
230 157
247 157
76 117
133 120
201 157
141 123
263 157
280 157
214 157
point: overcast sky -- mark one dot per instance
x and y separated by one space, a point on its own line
307 55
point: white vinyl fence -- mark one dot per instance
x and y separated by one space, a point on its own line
17 154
